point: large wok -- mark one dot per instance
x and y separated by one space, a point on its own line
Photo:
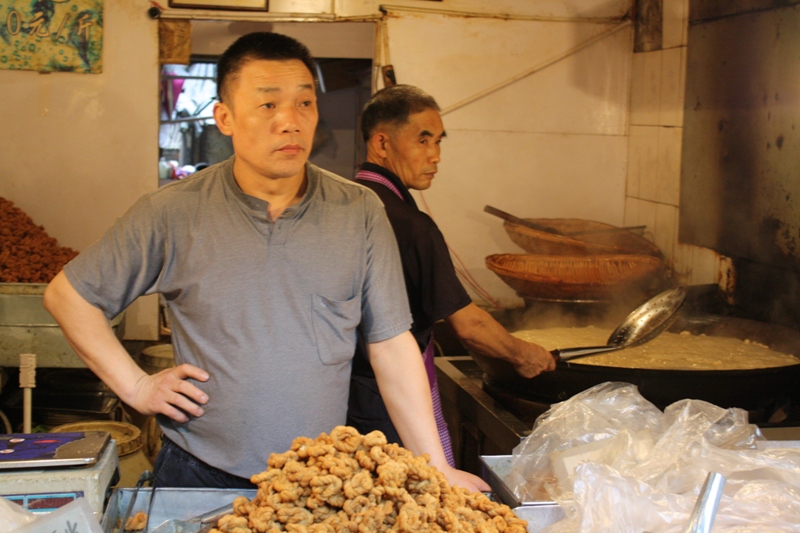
761 389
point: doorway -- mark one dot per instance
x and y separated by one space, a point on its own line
188 137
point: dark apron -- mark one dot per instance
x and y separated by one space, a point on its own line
378 408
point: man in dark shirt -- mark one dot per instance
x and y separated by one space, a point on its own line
403 131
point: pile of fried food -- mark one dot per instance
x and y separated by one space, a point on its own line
27 253
346 482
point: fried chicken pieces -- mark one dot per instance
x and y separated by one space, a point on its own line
346 482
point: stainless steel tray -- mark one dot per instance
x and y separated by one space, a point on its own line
168 503
182 504
494 469
540 516
27 327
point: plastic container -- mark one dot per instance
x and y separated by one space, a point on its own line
164 169
154 359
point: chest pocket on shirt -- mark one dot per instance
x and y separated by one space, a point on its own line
335 324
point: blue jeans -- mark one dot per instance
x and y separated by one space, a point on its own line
178 468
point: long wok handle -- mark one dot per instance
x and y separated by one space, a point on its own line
516 220
565 354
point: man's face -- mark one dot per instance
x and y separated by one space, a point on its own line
271 114
413 149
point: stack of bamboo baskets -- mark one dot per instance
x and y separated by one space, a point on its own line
576 260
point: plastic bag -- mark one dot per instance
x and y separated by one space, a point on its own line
607 411
614 462
13 516
76 516
609 502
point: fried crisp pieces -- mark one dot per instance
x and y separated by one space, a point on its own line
346 482
136 522
27 253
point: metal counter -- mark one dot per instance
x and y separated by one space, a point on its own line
168 503
27 327
478 424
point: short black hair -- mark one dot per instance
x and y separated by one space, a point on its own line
393 105
259 45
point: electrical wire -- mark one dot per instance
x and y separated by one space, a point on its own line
459 265
6 423
461 268
541 66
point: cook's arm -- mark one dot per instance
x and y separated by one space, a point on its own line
89 333
404 387
481 333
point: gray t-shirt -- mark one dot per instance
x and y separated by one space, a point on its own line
269 310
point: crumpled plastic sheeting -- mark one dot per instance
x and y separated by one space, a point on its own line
608 410
608 502
13 516
650 480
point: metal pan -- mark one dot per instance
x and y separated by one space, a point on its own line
755 390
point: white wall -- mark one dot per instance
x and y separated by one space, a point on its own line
552 144
76 150
654 166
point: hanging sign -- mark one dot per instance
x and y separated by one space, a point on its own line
174 41
51 35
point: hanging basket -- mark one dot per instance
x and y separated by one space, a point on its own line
602 239
557 277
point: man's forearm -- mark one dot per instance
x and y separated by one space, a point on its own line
403 383
89 333
481 333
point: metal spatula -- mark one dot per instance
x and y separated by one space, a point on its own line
642 325
199 524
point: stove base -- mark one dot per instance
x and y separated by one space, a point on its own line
478 424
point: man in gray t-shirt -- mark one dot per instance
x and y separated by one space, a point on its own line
269 267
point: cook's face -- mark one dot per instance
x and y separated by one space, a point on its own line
413 150
271 117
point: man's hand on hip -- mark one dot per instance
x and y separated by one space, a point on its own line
171 394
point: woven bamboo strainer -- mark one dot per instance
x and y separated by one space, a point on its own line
603 239
560 277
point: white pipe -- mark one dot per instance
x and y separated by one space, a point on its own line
27 409
27 381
